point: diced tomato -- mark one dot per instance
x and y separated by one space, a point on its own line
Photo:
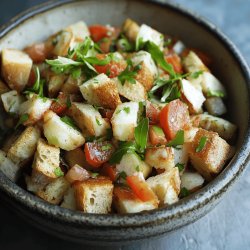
99 32
97 153
110 171
38 52
152 113
173 117
156 136
202 55
112 69
175 61
105 44
141 188
60 105
77 173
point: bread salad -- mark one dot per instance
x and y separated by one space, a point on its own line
112 120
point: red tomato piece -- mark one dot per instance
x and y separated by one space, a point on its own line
37 52
60 105
97 153
110 171
175 61
99 32
173 117
152 113
112 69
141 188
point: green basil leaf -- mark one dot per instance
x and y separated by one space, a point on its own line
184 193
58 172
196 74
125 45
23 118
215 93
178 140
124 148
180 166
141 134
69 122
96 61
202 144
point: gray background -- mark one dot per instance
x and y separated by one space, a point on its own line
227 226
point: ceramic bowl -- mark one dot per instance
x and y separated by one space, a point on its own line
40 22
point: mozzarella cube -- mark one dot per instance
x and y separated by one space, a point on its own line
124 121
192 96
179 47
88 119
12 101
60 134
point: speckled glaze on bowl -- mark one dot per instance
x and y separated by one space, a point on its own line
38 23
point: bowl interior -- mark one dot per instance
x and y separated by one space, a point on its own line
168 20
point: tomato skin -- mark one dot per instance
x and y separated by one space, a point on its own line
173 117
152 113
99 32
60 105
95 153
112 69
141 188
110 171
175 61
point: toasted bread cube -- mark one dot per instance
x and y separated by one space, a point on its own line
75 157
147 33
3 88
94 196
215 106
166 186
60 134
33 186
25 146
11 101
130 29
133 92
88 119
192 96
211 85
69 200
124 121
192 181
8 167
148 72
54 191
224 128
189 134
131 164
125 201
160 158
101 91
192 63
69 37
71 85
211 159
35 107
16 67
55 83
45 164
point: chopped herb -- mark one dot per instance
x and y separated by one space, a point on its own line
118 111
141 135
98 122
215 93
125 45
76 73
23 118
184 192
180 166
167 42
69 122
123 175
202 144
158 130
178 140
126 109
106 147
58 172
196 74
94 175
137 168
68 102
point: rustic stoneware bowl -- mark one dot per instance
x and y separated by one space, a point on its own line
38 23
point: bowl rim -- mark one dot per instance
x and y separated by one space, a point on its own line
195 201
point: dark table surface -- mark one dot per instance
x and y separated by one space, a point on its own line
227 226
